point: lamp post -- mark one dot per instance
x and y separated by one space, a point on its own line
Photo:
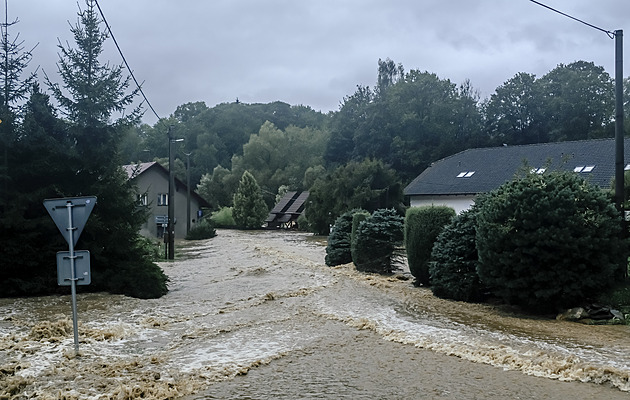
188 191
171 197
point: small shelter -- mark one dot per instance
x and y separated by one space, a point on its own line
287 211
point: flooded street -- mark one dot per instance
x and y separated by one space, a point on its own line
257 315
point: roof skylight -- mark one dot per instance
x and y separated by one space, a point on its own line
584 168
466 174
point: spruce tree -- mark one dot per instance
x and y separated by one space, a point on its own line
91 95
250 209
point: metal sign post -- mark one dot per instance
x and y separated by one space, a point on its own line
76 210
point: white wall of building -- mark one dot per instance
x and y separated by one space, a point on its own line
458 203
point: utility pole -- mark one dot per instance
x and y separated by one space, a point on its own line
188 191
171 200
619 128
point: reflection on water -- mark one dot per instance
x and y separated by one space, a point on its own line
245 299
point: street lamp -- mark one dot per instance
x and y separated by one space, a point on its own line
187 191
171 197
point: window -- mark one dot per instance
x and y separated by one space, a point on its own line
162 199
584 168
465 174
142 200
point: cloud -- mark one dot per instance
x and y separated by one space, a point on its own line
315 53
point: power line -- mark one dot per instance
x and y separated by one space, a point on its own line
125 61
609 33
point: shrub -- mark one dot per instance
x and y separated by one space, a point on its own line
453 265
357 218
422 227
203 230
376 239
338 248
223 218
548 241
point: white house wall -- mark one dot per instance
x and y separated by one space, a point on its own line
458 203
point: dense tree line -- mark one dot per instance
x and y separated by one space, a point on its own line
406 122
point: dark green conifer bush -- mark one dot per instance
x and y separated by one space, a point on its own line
338 248
357 218
422 227
453 266
376 240
548 241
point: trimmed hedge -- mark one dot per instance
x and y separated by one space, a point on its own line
422 227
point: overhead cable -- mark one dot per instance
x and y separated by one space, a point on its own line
125 61
609 33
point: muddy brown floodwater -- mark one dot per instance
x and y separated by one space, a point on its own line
257 315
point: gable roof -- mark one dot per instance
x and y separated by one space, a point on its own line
135 170
481 170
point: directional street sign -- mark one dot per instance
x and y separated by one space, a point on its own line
81 266
80 207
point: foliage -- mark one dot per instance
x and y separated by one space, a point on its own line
369 185
571 102
422 227
453 266
338 247
205 229
249 209
280 157
376 239
357 218
618 296
95 91
513 111
218 188
408 121
548 241
54 158
223 218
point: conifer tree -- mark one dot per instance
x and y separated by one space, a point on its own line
91 95
250 209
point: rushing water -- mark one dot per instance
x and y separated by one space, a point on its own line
259 315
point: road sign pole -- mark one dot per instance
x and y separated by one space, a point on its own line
73 277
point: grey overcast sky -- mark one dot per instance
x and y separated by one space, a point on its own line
316 52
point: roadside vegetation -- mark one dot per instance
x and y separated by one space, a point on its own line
69 134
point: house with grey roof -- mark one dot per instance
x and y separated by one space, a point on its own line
455 181
151 181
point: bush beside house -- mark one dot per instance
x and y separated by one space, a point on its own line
549 241
422 227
